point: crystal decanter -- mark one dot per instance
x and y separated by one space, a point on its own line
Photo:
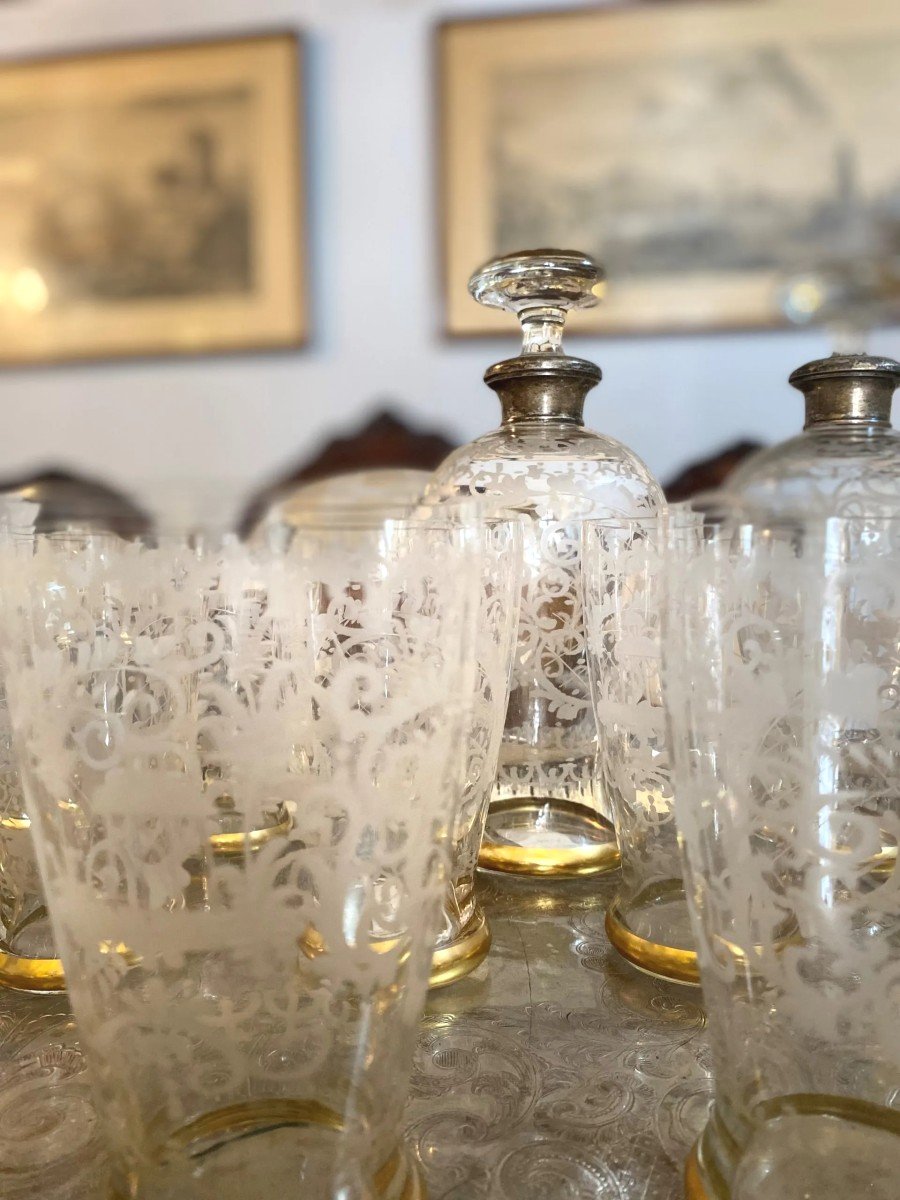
548 814
847 459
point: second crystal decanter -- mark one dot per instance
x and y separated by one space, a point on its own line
847 459
548 815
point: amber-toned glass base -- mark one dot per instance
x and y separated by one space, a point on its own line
400 1178
459 958
694 1186
547 838
806 1144
27 925
661 909
220 1142
31 974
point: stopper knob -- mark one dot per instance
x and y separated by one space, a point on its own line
540 287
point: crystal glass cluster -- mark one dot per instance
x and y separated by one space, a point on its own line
549 814
251 779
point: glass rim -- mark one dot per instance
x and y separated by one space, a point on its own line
805 523
712 506
654 520
714 525
349 522
452 514
389 501
228 534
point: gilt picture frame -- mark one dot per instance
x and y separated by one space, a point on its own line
700 149
152 201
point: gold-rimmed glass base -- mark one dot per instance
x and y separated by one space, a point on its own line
694 1183
24 916
237 844
234 1149
804 1144
652 931
547 837
459 958
24 974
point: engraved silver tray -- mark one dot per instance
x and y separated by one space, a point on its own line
555 1072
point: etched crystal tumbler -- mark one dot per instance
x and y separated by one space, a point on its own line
250 1016
783 686
624 594
464 938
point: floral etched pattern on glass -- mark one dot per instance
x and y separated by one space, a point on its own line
846 461
250 1016
548 815
465 938
548 756
783 684
624 593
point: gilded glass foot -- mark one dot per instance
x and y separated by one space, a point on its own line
460 957
263 1147
24 974
540 837
652 930
400 1178
804 1144
694 1186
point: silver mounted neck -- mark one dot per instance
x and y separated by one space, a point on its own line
852 389
540 287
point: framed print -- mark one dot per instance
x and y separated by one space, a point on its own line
151 201
698 149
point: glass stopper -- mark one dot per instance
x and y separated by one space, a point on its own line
540 287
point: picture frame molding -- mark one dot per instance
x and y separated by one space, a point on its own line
298 168
489 324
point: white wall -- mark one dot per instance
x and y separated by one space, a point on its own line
374 286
